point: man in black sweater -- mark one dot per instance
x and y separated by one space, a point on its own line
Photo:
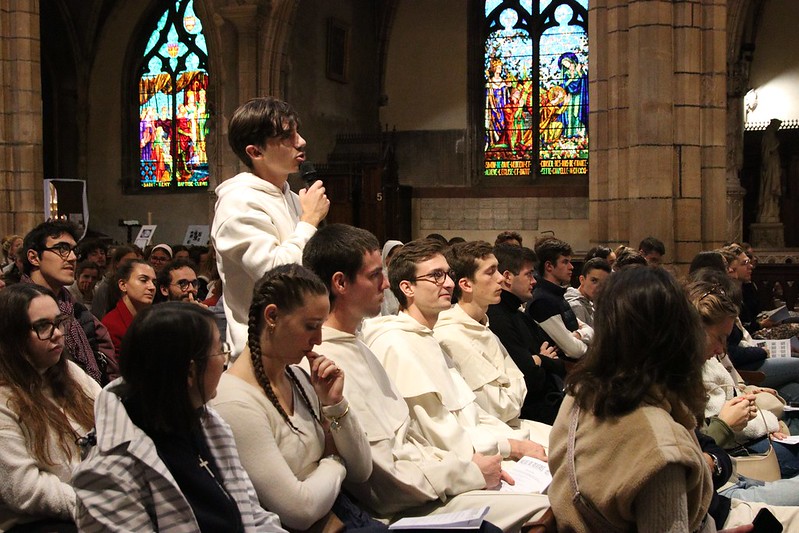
549 308
523 339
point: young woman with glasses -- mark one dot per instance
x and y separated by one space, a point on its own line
163 460
295 432
133 289
46 403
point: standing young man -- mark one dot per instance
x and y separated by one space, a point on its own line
409 474
259 223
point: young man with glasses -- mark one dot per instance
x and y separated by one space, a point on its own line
410 474
441 403
178 282
49 261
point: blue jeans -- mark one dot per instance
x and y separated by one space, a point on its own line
780 371
781 492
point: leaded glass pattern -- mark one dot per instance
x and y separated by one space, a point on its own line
173 113
536 50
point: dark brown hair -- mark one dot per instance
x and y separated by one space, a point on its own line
462 259
648 340
286 287
256 121
403 264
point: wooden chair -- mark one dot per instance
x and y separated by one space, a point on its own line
545 524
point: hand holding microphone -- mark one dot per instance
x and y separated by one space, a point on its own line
313 200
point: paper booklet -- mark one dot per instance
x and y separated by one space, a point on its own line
776 348
777 315
531 476
468 519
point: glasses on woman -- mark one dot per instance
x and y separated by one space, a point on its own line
225 353
45 329
437 276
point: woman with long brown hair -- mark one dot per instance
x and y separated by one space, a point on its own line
624 454
46 403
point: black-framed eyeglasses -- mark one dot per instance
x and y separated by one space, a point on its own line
44 328
438 277
225 352
63 249
184 284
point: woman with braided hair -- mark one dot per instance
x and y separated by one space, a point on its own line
297 438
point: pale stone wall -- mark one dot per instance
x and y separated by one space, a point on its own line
21 169
658 124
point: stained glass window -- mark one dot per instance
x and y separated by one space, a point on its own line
536 50
173 116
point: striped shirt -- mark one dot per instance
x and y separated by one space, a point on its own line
124 486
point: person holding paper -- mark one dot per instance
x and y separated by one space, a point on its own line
410 475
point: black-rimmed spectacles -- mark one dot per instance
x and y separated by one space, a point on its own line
437 276
45 329
63 249
185 283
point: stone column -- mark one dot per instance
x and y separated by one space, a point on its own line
657 82
21 167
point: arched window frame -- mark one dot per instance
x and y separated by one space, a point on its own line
537 24
137 61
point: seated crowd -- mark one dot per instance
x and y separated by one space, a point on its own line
380 382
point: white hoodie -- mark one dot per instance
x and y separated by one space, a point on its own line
256 227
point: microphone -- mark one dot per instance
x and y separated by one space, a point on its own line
307 173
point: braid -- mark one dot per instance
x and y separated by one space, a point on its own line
293 377
255 355
284 286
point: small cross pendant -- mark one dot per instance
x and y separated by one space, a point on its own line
204 464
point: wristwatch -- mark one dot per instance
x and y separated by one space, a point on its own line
716 465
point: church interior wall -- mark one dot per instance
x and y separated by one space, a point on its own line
426 85
105 170
329 107
421 88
